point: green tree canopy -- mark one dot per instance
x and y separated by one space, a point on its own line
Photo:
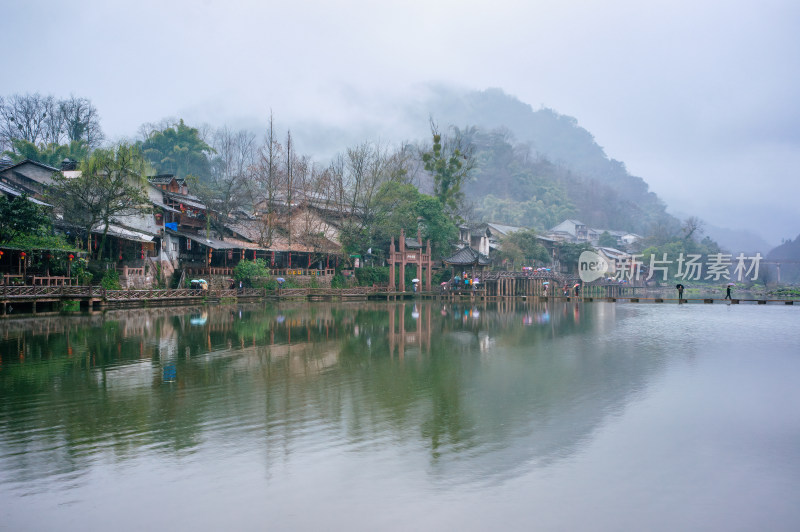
569 254
178 150
21 216
402 206
522 248
607 240
674 250
49 154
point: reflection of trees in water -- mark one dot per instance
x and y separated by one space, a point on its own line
499 385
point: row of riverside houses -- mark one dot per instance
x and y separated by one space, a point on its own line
487 237
301 240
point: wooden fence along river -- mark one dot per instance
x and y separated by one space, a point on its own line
16 300
38 299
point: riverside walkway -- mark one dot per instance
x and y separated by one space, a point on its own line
706 300
16 300
480 295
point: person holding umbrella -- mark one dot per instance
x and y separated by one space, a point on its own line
680 292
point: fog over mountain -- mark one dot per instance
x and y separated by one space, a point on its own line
558 138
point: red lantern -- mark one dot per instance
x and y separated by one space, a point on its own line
23 255
70 257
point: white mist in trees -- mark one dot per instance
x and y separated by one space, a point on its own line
692 226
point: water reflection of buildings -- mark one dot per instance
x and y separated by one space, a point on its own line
419 336
513 383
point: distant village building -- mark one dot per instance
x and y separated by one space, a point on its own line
486 238
615 258
577 232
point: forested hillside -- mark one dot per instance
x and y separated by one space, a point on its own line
788 251
538 167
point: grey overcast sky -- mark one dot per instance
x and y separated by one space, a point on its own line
699 98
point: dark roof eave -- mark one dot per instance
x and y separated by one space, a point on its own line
467 257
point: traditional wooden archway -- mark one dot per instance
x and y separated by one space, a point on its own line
413 255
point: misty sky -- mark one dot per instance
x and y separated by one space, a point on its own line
699 98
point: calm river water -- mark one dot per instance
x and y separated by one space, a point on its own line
391 416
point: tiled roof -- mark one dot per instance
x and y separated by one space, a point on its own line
7 189
37 163
191 201
213 243
165 179
467 256
411 243
506 229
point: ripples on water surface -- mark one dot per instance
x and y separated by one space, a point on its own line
399 416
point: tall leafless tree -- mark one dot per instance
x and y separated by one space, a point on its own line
267 178
43 120
291 162
354 181
80 121
691 226
228 188
24 117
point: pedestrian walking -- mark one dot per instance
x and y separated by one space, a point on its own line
680 292
728 292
